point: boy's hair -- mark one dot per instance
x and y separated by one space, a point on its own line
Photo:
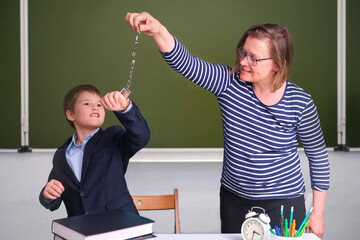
281 48
71 97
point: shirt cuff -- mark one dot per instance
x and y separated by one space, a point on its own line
127 109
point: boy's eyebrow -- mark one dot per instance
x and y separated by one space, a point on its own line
88 100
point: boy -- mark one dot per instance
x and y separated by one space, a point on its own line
88 170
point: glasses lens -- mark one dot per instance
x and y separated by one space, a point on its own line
252 61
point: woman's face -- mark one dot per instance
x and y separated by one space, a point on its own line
265 70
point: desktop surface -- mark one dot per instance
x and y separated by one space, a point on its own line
198 237
305 236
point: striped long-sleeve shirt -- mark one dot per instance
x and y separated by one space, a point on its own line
260 141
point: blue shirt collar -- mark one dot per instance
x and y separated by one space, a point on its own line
75 137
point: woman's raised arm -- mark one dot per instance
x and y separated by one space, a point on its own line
153 28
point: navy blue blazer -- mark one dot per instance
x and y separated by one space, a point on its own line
106 157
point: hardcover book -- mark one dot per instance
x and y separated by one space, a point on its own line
116 224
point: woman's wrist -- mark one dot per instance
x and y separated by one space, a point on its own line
164 40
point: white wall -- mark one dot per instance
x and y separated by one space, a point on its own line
23 175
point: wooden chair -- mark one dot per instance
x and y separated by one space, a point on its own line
161 202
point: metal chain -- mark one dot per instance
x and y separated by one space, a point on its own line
133 56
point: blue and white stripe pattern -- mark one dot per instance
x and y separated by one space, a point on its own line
260 142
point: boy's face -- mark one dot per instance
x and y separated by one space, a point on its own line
88 114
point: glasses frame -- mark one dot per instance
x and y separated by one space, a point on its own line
251 59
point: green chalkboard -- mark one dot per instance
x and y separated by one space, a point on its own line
87 41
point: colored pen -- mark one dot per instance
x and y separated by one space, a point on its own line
272 231
291 218
292 229
303 223
282 220
286 228
302 230
277 230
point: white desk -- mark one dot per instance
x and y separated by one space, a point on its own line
198 237
306 236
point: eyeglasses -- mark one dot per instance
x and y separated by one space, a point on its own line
252 60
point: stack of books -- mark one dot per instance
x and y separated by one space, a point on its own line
116 224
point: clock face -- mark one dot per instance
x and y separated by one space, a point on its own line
253 230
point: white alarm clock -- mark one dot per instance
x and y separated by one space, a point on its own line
256 226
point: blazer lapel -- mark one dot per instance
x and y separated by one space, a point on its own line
66 167
89 148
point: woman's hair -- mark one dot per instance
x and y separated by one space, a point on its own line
71 97
281 49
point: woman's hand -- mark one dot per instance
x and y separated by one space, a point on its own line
115 101
151 27
148 25
316 220
316 224
53 190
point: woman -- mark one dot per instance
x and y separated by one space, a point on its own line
263 116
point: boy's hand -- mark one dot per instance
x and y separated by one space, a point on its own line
115 101
53 189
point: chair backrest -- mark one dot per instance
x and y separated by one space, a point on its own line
161 202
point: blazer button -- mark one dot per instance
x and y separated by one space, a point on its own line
82 194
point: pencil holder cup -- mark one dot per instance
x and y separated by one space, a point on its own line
275 237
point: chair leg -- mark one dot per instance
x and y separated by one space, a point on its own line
177 221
